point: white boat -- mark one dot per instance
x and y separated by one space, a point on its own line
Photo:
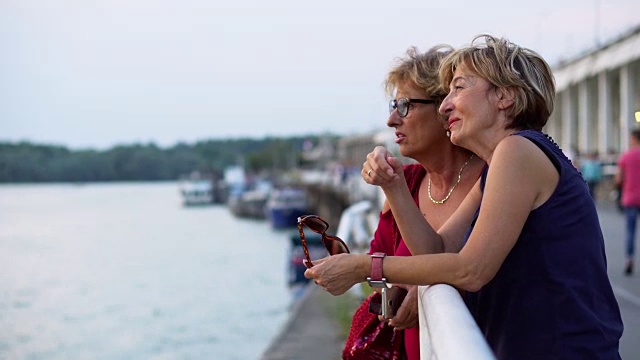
196 190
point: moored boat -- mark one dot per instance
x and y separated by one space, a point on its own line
285 206
249 204
196 190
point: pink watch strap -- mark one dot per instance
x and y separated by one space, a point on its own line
376 265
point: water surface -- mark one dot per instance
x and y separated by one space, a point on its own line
123 271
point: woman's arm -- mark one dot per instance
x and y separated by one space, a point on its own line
520 179
419 235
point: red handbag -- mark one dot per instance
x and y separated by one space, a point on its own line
372 339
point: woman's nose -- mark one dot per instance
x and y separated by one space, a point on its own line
394 119
446 106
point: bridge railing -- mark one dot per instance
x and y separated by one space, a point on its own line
447 329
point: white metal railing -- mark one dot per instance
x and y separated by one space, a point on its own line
447 329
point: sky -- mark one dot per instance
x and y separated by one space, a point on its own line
95 74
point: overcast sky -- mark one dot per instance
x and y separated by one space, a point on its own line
98 73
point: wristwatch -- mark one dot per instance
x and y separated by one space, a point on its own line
376 280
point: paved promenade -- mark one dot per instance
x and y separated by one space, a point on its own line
626 288
311 333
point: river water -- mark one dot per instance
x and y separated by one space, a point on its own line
124 271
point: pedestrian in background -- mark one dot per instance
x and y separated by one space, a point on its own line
628 180
591 169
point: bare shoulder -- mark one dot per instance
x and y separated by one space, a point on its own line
514 150
520 150
526 165
517 144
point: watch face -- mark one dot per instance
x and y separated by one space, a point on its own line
378 283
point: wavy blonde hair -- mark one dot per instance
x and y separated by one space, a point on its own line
508 66
421 70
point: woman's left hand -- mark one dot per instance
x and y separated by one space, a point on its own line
338 273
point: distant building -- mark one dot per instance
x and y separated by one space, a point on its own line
597 95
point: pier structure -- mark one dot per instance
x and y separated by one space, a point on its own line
339 184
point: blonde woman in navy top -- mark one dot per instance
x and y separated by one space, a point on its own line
525 244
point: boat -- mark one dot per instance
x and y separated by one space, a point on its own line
285 205
250 203
196 190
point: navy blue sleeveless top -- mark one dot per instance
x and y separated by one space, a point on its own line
551 298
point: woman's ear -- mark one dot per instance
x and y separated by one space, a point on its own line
506 98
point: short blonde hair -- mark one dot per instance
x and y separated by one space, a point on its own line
421 70
509 66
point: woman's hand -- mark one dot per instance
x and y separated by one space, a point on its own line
381 168
407 315
338 273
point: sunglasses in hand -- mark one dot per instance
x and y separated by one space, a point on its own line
334 244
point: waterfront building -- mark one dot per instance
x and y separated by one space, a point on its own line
597 96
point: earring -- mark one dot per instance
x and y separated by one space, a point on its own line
448 133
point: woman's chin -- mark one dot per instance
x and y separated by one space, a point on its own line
405 152
454 139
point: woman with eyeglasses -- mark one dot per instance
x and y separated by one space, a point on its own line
438 182
526 243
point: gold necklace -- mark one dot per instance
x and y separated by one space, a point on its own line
452 188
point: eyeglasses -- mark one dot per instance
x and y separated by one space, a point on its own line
334 244
403 103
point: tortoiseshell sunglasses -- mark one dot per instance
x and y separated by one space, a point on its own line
334 244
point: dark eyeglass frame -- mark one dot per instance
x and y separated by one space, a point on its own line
402 105
319 226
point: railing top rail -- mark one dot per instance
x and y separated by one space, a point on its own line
447 329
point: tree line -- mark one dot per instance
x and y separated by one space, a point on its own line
28 162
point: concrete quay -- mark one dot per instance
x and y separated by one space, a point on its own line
311 332
626 288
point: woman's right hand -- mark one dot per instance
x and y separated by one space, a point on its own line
338 273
